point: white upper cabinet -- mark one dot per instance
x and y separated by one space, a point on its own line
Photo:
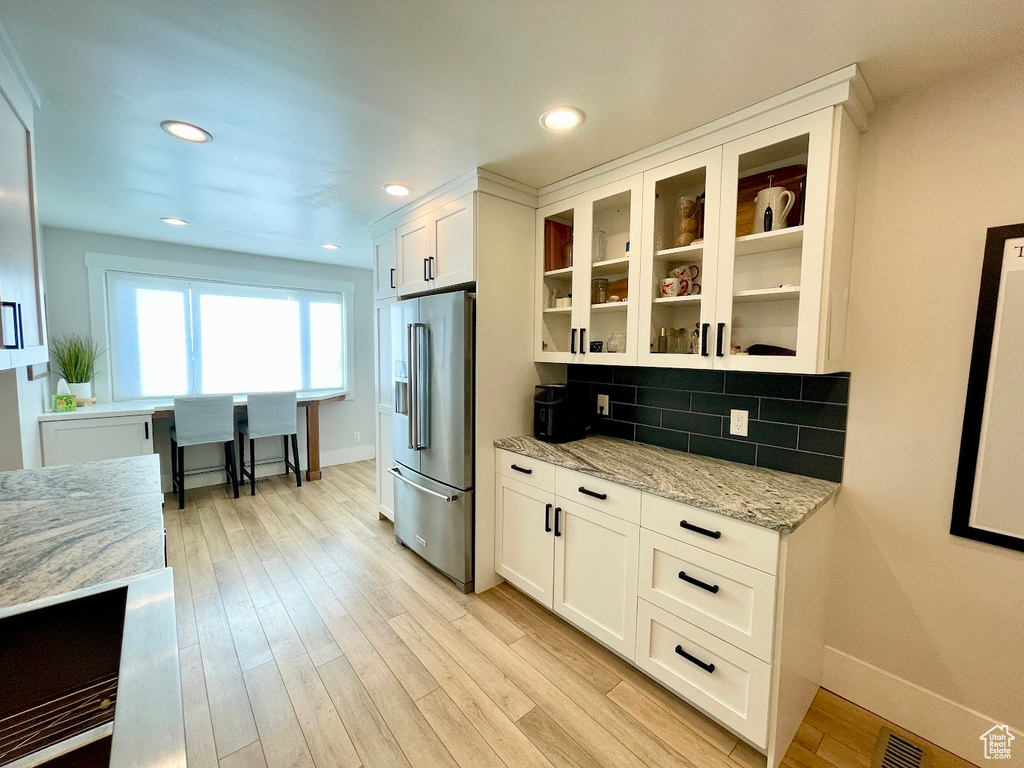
437 250
452 240
742 261
385 270
588 268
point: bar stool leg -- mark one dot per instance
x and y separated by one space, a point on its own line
181 476
252 465
231 465
295 453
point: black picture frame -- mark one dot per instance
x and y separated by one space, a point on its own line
977 384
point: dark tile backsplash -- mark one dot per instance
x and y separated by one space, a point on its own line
797 423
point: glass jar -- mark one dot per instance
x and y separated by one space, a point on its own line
599 291
617 342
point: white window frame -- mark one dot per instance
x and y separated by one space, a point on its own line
99 264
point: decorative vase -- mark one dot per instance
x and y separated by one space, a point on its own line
82 391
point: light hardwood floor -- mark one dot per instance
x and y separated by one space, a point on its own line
309 637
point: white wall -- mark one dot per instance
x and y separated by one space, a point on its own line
67 309
939 618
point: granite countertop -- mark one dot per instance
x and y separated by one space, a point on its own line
69 527
776 500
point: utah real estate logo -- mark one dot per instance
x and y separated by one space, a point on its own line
997 742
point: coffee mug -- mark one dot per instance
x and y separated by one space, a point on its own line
686 272
670 286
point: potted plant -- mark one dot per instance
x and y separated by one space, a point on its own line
74 357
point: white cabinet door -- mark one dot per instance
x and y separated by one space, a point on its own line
74 441
382 354
452 236
385 277
560 243
524 541
413 240
385 459
596 565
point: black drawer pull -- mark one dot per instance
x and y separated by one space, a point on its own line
557 511
701 531
712 588
547 518
703 665
522 469
595 494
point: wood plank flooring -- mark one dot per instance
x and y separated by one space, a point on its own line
309 638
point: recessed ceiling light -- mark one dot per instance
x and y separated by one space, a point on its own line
398 190
330 246
562 118
186 131
174 222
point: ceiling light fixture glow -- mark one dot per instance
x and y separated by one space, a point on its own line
186 131
562 119
398 190
174 221
330 246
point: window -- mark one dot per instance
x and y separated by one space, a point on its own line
173 336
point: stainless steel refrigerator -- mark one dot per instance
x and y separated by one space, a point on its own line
432 370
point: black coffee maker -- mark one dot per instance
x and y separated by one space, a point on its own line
557 414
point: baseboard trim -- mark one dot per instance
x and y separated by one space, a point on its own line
942 721
347 455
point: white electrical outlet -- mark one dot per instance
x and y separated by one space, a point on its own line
602 405
357 437
738 422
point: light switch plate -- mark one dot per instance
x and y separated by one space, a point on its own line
603 408
738 422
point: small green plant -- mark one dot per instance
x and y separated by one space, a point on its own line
74 357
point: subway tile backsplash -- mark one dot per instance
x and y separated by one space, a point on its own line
796 423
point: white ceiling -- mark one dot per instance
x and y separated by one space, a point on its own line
316 103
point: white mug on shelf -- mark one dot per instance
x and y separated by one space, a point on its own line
780 200
672 286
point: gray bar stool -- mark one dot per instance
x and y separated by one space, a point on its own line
269 415
198 421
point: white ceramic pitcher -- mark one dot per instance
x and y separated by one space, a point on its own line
780 200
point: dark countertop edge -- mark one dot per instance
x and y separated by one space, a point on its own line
699 503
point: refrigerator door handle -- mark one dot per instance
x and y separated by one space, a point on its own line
394 471
419 364
412 403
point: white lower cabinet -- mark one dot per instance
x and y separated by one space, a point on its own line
68 440
385 460
726 614
596 560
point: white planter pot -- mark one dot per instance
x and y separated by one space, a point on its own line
81 391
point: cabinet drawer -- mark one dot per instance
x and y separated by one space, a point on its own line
728 599
617 500
526 470
725 682
743 542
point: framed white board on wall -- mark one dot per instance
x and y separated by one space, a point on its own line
988 503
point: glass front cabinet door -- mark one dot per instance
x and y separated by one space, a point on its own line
680 262
588 272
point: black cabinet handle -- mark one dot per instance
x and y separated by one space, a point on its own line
431 267
693 659
21 330
704 339
712 588
557 532
721 338
547 518
392 277
13 306
701 531
583 341
146 425
426 275
572 346
522 469
595 494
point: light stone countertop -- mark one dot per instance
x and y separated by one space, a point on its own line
776 500
70 527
